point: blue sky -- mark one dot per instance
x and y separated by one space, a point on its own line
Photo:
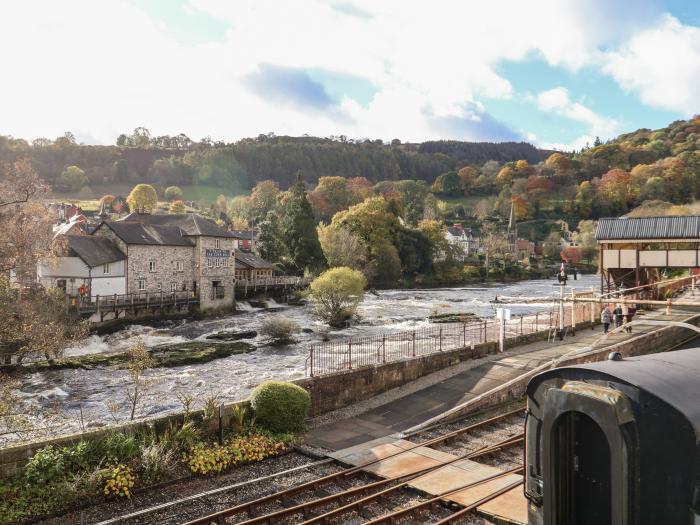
554 72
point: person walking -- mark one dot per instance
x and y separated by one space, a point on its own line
606 318
625 310
630 315
617 312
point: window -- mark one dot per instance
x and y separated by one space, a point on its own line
173 287
160 287
179 266
105 268
152 266
141 283
217 290
210 262
217 243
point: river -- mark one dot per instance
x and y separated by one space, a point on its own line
232 378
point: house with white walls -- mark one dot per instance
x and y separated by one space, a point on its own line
94 263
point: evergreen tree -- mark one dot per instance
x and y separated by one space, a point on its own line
299 229
270 239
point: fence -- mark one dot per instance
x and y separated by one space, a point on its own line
336 356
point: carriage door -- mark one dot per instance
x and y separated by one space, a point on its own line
587 459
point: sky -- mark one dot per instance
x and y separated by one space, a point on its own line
556 73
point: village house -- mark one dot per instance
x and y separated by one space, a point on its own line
249 266
463 238
178 252
93 265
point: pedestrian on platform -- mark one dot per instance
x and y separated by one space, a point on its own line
606 318
625 315
630 315
617 313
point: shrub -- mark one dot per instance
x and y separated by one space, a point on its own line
119 481
280 330
173 193
47 465
337 293
279 406
119 447
157 461
206 459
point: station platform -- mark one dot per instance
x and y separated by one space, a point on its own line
491 372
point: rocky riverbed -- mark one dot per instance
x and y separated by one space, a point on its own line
238 367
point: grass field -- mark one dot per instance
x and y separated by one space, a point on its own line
207 194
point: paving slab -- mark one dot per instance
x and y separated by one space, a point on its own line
510 507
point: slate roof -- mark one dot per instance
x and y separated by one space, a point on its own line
251 260
132 232
94 251
667 227
190 223
244 235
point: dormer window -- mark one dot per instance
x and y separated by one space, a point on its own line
217 244
152 266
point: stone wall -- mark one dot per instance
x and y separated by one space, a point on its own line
207 274
166 272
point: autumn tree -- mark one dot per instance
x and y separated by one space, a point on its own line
139 361
263 199
584 236
176 207
173 193
505 176
341 247
370 220
558 162
142 199
337 293
615 189
467 176
331 195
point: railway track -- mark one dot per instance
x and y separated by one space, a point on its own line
314 488
352 496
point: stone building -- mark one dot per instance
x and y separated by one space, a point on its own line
176 253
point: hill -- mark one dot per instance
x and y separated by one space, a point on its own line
236 167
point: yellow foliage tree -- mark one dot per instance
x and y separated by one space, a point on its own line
143 198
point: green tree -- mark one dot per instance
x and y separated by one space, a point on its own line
584 236
143 199
173 193
415 251
337 293
270 240
74 178
448 183
385 264
299 230
412 194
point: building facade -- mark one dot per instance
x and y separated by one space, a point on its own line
250 267
95 266
463 238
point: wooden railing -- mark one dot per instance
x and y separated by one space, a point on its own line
101 303
273 282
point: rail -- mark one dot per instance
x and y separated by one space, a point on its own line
348 354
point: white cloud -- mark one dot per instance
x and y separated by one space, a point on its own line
558 101
101 68
662 65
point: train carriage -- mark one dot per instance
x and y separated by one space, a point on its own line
615 442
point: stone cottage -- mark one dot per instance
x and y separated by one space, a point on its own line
179 252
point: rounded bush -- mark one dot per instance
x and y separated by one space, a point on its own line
280 406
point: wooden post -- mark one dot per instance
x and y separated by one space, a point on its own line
311 362
383 349
440 342
464 334
414 343
573 313
97 304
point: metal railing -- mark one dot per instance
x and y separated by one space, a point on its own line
336 356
